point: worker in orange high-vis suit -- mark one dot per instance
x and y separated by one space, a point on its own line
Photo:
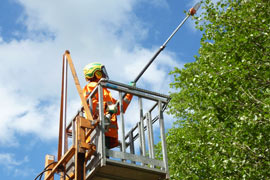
93 72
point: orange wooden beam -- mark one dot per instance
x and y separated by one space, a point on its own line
77 83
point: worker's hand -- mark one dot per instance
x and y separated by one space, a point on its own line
132 84
107 119
112 109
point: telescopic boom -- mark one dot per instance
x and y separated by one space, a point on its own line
192 11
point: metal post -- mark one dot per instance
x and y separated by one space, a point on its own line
60 138
140 136
73 131
150 136
141 128
65 109
163 138
102 129
131 144
122 122
73 136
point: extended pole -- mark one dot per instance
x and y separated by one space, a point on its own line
192 11
60 140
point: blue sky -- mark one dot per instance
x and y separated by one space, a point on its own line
33 36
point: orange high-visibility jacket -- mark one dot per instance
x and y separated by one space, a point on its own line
107 100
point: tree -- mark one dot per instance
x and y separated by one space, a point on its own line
222 100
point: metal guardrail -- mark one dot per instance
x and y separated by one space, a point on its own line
137 145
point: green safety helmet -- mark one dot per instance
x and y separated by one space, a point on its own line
95 70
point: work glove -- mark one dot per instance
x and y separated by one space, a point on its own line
107 119
131 83
112 109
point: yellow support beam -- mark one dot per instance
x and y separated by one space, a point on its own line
62 161
48 160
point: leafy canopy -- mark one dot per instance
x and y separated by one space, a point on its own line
222 100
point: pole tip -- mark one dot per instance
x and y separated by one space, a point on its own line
194 9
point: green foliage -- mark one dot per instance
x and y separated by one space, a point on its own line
222 101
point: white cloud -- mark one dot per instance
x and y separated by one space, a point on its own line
30 71
8 160
23 172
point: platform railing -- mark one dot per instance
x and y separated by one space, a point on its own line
136 147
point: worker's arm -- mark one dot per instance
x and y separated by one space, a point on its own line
127 99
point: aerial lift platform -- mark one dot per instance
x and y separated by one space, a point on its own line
134 159
82 154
